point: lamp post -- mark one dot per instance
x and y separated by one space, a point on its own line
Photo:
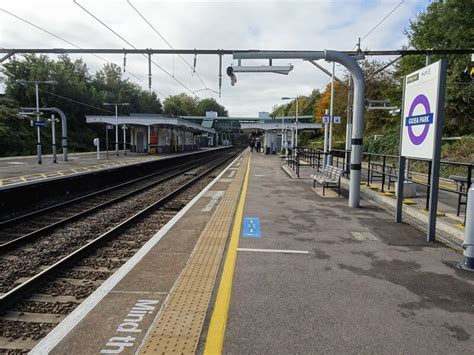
116 104
296 116
37 82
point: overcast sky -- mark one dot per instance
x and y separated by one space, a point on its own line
300 25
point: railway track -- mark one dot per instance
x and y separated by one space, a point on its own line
27 227
38 303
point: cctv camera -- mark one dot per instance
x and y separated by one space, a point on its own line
230 73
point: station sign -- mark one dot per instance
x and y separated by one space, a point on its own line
38 124
420 111
326 119
336 119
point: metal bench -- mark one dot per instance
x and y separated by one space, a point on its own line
330 176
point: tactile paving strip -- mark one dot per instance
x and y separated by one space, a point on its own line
178 327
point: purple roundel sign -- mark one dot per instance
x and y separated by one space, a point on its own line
425 119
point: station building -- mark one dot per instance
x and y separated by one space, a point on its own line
154 133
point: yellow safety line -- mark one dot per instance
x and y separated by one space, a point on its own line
442 184
217 327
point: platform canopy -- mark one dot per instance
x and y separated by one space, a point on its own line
275 125
148 120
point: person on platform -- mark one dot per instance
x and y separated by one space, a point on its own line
252 143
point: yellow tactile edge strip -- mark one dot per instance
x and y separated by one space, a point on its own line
217 326
178 326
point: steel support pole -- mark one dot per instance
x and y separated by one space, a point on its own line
400 186
358 124
431 233
38 130
331 115
107 141
401 167
124 128
468 245
116 132
220 74
325 143
53 136
296 137
348 126
149 139
149 72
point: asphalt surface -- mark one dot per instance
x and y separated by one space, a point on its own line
391 292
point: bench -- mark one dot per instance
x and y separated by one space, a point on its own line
330 176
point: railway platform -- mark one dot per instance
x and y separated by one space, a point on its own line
261 263
23 170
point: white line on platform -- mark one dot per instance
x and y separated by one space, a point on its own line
140 292
57 334
275 251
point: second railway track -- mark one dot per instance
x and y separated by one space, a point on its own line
25 228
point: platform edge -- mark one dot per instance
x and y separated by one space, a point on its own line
63 328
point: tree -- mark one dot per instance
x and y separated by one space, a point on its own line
180 105
442 25
210 104
306 106
77 93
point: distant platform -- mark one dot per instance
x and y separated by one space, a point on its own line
15 171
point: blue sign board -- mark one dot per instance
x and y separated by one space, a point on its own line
251 227
40 124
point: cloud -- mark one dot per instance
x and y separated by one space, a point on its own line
309 25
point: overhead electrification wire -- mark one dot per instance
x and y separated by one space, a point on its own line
169 45
75 101
380 22
131 45
72 44
383 19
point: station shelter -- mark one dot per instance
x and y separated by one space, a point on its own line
154 133
230 130
276 131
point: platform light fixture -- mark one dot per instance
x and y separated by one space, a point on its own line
37 82
116 104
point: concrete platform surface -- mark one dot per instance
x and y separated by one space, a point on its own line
20 170
367 285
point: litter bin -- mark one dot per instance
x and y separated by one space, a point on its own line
267 150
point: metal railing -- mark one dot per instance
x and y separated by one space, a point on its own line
384 168
293 160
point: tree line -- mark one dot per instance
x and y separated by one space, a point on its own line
78 93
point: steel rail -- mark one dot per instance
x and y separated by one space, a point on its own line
6 223
29 237
16 294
